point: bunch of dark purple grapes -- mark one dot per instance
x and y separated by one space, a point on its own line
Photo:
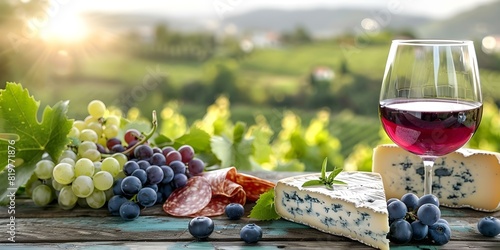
151 175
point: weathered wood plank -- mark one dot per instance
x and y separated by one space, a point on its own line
84 228
222 245
166 228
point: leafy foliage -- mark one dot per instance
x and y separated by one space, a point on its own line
324 180
35 137
264 207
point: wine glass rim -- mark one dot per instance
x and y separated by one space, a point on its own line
432 42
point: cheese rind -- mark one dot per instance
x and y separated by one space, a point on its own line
357 210
465 178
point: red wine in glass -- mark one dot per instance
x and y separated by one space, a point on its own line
430 126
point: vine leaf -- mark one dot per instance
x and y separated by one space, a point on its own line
19 110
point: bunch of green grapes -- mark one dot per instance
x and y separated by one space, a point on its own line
81 175
98 126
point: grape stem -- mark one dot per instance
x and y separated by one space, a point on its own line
144 137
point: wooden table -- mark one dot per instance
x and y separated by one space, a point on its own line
85 228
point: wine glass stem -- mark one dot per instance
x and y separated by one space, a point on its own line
428 164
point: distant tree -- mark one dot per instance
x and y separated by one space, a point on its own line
300 35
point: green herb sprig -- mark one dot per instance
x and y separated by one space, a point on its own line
327 181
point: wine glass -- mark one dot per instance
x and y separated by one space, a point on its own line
430 99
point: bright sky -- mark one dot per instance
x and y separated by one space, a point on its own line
221 8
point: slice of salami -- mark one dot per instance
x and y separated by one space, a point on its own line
189 199
253 186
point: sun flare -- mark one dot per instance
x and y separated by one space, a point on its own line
65 29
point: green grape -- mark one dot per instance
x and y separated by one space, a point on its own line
96 108
56 185
122 159
84 166
67 199
113 120
43 169
82 186
110 131
84 146
64 173
68 154
80 125
97 199
42 195
97 166
74 132
109 193
92 154
88 135
96 126
111 165
32 183
90 119
68 160
103 180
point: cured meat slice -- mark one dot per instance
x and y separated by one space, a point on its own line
253 186
189 199
210 193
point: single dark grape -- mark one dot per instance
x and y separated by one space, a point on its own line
159 198
157 150
166 190
173 156
152 186
251 233
143 152
391 200
155 174
132 135
168 174
101 149
143 164
167 150
118 148
196 166
178 167
131 185
129 210
158 159
129 167
146 197
112 142
180 180
187 153
117 187
141 175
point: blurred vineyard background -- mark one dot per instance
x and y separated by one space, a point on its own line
308 87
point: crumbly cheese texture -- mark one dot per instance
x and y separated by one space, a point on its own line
465 178
357 210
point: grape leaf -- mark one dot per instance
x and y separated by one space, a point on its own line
264 207
18 112
233 152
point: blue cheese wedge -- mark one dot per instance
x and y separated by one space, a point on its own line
357 210
465 178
